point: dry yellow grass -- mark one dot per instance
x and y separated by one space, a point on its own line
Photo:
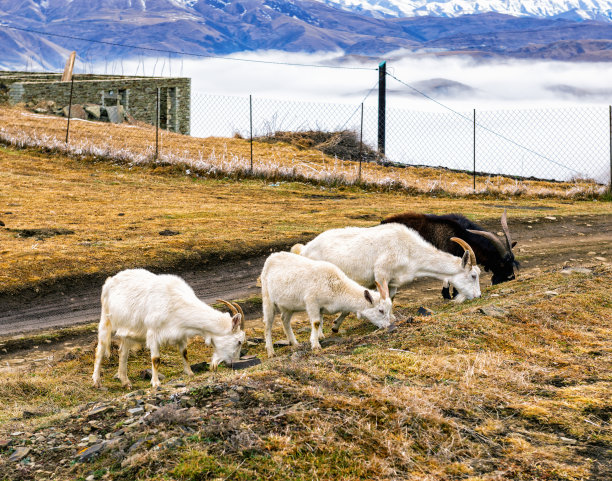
116 213
459 395
270 159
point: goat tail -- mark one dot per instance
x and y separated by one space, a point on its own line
105 328
297 249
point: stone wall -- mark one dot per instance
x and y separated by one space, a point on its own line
137 94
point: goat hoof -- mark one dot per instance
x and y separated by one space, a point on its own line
97 384
335 330
126 385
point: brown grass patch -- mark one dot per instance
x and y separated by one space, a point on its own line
116 214
456 396
291 160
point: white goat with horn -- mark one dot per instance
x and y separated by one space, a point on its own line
291 283
141 307
393 255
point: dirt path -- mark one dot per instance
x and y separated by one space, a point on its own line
543 242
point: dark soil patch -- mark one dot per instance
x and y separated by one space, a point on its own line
42 233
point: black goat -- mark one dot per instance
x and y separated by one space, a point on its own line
493 254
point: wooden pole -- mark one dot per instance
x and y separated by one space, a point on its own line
69 108
382 105
474 149
67 76
361 143
610 187
157 125
251 127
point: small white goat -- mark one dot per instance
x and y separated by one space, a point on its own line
392 254
139 306
291 283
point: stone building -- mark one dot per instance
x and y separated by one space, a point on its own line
137 95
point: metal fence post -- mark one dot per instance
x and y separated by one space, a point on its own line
251 127
69 108
382 104
361 143
157 124
474 149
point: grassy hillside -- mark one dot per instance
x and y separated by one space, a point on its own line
519 393
66 217
285 156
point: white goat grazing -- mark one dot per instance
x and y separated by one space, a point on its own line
395 255
139 306
292 283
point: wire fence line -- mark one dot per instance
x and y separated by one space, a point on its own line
561 144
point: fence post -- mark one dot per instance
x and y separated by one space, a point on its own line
361 143
69 108
382 101
157 124
610 123
474 150
251 127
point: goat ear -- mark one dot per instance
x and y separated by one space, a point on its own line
236 322
368 296
465 259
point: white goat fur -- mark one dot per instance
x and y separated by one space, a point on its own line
392 254
292 283
141 307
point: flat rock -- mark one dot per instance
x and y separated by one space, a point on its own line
89 453
493 311
256 340
168 232
115 113
19 454
244 363
99 410
576 270
137 410
328 341
93 110
282 344
147 374
423 311
76 112
200 367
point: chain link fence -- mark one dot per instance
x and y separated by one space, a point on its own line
562 144
424 151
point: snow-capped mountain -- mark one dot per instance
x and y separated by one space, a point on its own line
570 9
117 29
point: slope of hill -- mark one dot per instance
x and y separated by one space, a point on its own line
569 9
214 27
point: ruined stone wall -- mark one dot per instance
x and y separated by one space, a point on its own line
136 94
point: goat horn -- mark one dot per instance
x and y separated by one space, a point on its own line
231 306
467 247
504 223
383 294
242 319
499 245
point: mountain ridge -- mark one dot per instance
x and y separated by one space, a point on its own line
216 27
